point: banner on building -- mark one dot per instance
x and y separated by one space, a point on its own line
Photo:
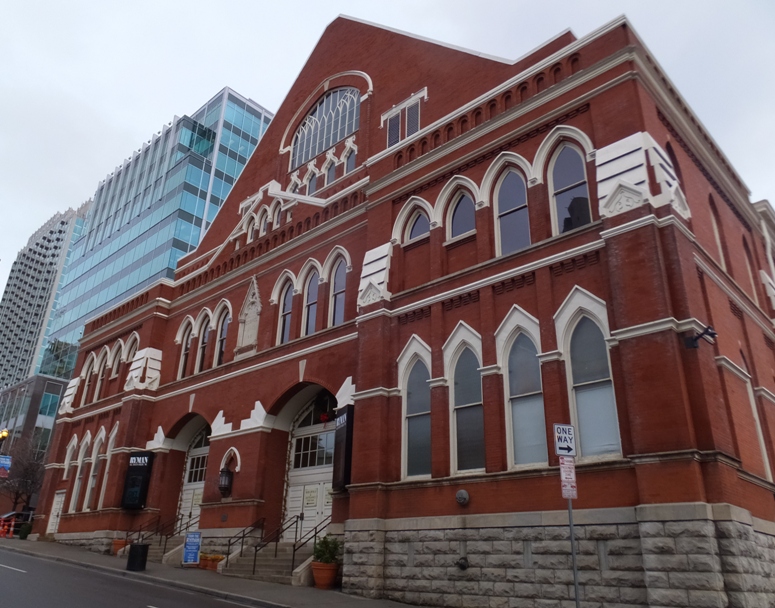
5 466
137 480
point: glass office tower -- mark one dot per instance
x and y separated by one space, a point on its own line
31 294
149 212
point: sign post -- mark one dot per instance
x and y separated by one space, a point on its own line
565 448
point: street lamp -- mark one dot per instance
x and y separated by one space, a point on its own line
3 436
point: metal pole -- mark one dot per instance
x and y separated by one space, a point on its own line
573 552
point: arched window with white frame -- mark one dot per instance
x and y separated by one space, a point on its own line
462 217
286 309
468 413
204 340
185 350
115 359
80 472
338 285
102 372
569 190
250 230
526 403
311 303
418 226
223 330
594 403
418 420
96 465
106 472
87 380
330 173
512 212
335 116
349 162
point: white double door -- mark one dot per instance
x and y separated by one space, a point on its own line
309 492
190 501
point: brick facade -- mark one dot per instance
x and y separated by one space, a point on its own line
680 487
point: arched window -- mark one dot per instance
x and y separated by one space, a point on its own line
331 173
250 228
674 162
286 303
419 226
115 361
463 218
569 190
311 303
262 223
276 217
87 380
513 221
526 401
334 117
101 374
131 352
593 392
223 330
204 338
418 421
312 184
337 293
349 162
468 414
185 351
749 265
717 234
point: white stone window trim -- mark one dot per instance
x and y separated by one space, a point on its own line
91 482
406 216
496 214
421 95
186 332
305 276
581 303
101 370
288 283
331 267
85 443
232 452
416 349
551 191
462 337
221 313
106 473
202 327
517 321
71 447
116 357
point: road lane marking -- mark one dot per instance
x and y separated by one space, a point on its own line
9 567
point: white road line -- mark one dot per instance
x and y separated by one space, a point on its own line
9 567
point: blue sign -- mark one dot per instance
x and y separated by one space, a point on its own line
191 548
5 466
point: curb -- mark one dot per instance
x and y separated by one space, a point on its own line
153 580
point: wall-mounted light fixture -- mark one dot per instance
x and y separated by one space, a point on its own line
693 342
225 479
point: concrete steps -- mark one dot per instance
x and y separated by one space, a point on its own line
268 567
156 551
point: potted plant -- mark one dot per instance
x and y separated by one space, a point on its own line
209 561
325 561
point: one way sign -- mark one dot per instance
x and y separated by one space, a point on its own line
564 440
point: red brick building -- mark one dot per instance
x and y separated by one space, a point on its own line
465 250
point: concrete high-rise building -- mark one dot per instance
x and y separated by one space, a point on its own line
149 212
30 293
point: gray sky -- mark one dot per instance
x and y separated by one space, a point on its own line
83 84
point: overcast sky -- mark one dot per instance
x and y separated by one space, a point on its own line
84 84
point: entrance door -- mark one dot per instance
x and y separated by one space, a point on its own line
194 480
309 481
56 512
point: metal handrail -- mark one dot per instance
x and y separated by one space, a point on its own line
242 534
312 534
276 535
177 530
142 530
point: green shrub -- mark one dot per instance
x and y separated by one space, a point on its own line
327 550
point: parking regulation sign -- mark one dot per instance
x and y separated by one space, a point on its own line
564 440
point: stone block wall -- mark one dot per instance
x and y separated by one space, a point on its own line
689 555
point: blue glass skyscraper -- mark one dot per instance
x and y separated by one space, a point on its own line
149 212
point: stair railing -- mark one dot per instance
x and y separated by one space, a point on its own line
312 535
276 535
242 535
138 534
178 529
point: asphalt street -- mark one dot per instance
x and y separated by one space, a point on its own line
30 582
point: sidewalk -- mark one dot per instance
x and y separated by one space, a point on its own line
238 590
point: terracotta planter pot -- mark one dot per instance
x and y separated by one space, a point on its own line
324 575
117 545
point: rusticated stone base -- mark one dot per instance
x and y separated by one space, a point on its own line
688 555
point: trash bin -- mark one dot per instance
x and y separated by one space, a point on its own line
138 555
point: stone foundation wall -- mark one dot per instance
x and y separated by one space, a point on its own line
688 555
